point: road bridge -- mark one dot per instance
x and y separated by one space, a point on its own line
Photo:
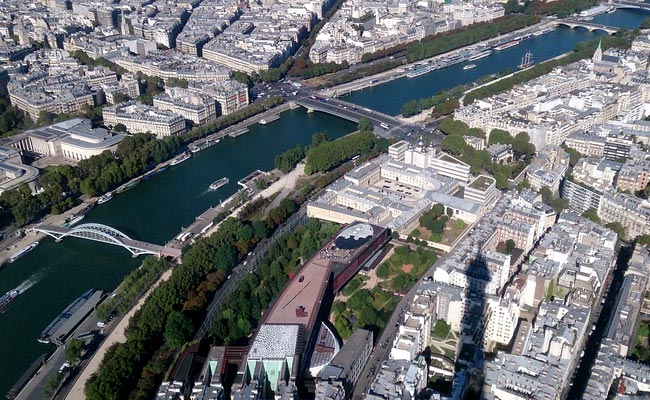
106 234
590 26
639 5
385 124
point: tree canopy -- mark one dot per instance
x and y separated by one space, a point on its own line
178 329
592 215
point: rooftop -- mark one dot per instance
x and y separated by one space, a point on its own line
275 342
481 182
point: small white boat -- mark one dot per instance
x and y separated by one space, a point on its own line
23 251
183 157
469 66
217 184
108 196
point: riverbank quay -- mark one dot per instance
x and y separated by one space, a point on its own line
403 70
23 237
117 335
58 220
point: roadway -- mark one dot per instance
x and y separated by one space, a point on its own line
384 125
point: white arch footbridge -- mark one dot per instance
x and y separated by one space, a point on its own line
106 234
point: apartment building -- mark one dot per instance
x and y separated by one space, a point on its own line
229 95
581 198
138 118
586 144
199 109
629 211
633 176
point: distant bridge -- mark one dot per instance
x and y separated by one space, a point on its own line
575 23
106 234
631 4
383 123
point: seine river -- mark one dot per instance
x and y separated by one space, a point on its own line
389 97
56 273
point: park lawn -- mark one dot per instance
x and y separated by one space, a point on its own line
641 349
404 268
361 307
421 232
368 309
441 330
453 229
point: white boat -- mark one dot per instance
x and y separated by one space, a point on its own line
270 119
105 198
22 251
469 66
217 184
203 144
8 298
183 157
480 55
507 45
543 31
526 60
418 72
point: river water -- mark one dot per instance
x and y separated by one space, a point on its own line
54 274
389 97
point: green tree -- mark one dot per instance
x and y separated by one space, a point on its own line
501 179
500 136
592 215
178 329
287 160
523 184
52 384
547 194
550 290
119 127
73 351
559 204
449 126
176 82
437 210
618 228
364 124
510 246
645 24
454 144
44 118
643 240
242 78
574 155
319 138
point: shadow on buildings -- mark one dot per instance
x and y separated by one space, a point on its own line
468 379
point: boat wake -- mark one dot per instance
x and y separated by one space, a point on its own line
29 282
